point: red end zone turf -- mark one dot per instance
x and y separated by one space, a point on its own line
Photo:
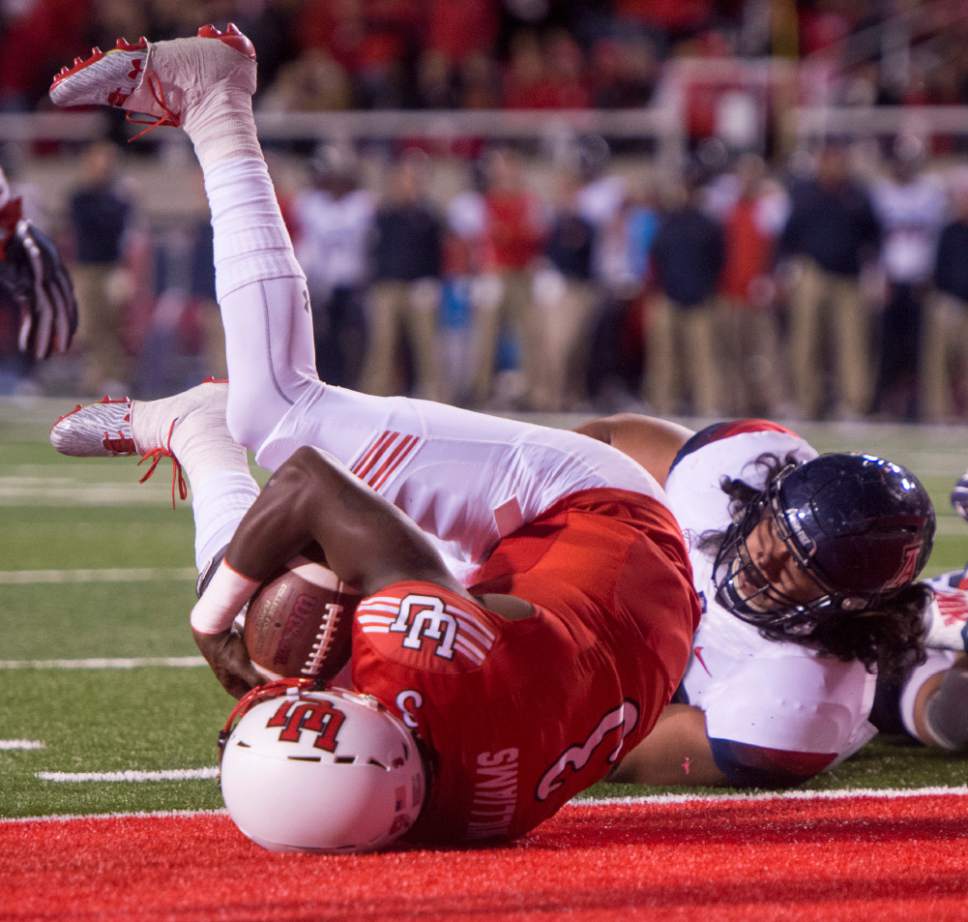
860 857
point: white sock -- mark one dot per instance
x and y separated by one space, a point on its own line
218 471
251 240
151 419
219 500
222 127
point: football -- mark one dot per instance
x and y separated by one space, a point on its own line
300 622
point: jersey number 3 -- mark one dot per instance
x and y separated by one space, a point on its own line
623 718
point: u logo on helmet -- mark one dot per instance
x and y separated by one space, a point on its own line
317 716
909 566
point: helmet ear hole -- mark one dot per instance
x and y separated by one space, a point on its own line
321 771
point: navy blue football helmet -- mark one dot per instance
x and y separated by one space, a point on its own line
860 526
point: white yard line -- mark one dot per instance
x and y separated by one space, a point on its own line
22 744
838 794
109 575
648 799
134 662
130 776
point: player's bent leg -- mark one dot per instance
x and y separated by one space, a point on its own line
464 477
269 350
205 85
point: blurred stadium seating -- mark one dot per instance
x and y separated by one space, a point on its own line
624 102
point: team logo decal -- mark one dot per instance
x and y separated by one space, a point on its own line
317 716
908 567
623 718
422 620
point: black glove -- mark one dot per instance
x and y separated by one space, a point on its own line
33 278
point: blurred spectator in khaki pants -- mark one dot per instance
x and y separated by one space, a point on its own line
406 252
831 232
100 215
944 345
566 298
911 208
753 216
512 242
681 350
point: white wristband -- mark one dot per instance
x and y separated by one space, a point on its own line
224 597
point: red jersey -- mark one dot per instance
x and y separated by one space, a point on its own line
519 716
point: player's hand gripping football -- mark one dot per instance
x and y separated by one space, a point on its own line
226 654
33 278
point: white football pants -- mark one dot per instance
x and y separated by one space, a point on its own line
465 478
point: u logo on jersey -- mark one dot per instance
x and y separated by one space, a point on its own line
423 616
424 620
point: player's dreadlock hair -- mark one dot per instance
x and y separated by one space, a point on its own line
886 635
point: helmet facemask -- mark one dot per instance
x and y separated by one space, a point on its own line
745 590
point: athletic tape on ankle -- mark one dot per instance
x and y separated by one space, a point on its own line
225 596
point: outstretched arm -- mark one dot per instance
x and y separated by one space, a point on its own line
679 751
651 442
310 498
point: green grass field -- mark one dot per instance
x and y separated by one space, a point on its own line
67 515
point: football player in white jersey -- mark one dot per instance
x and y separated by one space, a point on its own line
805 566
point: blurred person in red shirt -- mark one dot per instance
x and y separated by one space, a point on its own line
514 231
458 28
751 222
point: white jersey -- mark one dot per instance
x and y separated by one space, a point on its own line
765 693
911 214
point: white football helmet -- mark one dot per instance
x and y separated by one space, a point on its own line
319 771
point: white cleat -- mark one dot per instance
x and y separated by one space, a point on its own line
120 426
99 430
161 79
114 427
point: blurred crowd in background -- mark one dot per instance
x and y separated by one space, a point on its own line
484 54
827 281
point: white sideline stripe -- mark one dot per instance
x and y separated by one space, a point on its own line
841 794
134 815
135 662
22 744
128 575
132 775
838 794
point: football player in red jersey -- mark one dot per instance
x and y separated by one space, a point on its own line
524 690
